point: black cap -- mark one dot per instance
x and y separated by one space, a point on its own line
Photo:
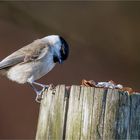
64 49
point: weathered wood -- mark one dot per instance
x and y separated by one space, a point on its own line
116 115
134 123
51 116
98 113
88 113
79 113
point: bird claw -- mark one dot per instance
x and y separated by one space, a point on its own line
44 88
52 88
39 97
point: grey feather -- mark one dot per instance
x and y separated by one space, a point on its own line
31 52
10 61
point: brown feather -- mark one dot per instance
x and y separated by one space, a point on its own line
35 50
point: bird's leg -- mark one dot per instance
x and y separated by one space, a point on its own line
51 86
34 88
39 93
41 85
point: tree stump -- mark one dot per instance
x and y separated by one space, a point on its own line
87 113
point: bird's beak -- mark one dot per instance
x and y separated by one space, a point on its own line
60 61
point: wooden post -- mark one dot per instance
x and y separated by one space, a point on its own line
88 113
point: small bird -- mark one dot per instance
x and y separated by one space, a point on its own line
35 60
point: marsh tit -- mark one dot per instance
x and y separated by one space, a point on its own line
35 60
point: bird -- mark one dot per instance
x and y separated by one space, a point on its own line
34 61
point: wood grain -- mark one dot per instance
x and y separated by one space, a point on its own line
87 113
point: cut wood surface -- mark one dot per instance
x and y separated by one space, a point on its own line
87 113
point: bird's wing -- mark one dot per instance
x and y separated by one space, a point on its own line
10 61
31 52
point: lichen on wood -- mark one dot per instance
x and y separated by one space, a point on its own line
87 113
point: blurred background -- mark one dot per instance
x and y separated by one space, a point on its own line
104 39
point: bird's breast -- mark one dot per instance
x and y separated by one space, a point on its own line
34 70
46 66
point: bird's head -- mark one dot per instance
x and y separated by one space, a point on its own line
60 48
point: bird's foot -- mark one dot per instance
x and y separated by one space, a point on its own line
52 88
40 93
38 98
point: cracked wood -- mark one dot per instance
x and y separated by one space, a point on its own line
88 113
